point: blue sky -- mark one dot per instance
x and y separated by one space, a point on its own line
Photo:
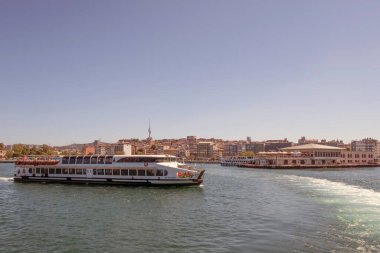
75 71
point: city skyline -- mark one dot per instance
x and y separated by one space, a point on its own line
73 72
247 139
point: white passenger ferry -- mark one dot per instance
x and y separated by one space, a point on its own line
113 170
236 160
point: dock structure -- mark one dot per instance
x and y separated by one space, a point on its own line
291 167
313 156
7 161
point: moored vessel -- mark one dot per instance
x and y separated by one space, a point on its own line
236 160
109 169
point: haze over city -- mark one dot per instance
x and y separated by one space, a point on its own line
76 71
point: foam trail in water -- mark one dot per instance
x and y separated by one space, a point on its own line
356 207
353 194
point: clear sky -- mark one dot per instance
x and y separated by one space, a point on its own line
79 70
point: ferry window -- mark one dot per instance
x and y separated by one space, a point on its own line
71 171
150 173
100 172
141 172
30 170
101 159
65 171
51 171
79 159
109 160
127 160
108 172
79 171
116 172
58 171
137 159
132 172
42 171
65 160
159 173
94 159
165 172
86 160
94 172
124 172
72 160
38 171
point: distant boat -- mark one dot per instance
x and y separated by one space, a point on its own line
236 160
113 170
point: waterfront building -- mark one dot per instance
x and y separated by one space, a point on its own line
357 157
206 150
368 144
171 151
231 150
303 141
255 147
122 149
161 149
333 143
183 152
314 155
302 155
192 141
88 150
102 148
276 145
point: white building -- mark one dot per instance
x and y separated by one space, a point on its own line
314 155
357 157
113 149
368 145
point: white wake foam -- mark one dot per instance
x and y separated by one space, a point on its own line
351 193
356 207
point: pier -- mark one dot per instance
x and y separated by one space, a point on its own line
7 161
292 167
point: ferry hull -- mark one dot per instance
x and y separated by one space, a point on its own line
103 181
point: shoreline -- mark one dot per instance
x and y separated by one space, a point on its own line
7 161
290 167
209 162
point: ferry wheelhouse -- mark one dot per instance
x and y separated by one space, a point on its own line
113 170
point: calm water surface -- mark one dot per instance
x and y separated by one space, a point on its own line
237 210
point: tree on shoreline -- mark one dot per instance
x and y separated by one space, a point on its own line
19 150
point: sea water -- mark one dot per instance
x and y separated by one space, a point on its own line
235 210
